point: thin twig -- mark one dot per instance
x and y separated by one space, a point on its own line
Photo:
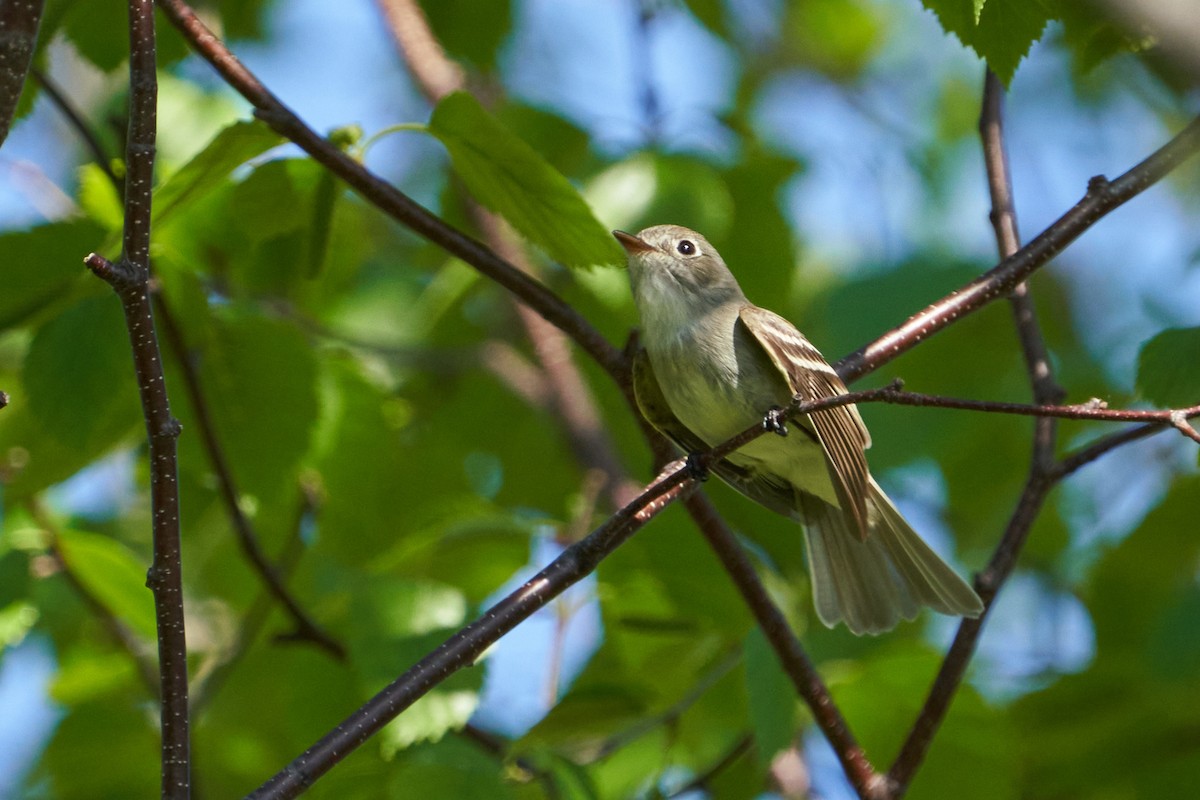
1085 455
1093 410
1045 390
130 277
306 628
494 746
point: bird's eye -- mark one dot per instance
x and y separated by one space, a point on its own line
686 247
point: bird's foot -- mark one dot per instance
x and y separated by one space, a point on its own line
775 422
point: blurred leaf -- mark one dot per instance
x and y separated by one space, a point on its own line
231 148
759 244
999 31
772 712
455 769
476 42
113 574
512 179
45 260
359 453
711 14
99 198
79 763
259 380
90 27
839 37
881 694
1169 368
79 375
1142 596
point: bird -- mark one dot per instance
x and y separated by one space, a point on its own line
711 364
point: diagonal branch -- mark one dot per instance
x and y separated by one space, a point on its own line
130 277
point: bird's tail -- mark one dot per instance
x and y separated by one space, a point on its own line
871 584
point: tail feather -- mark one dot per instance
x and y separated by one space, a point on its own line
870 585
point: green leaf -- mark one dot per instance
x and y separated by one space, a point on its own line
258 377
772 710
1000 32
228 150
94 40
839 37
710 13
43 262
476 41
113 574
99 198
1169 368
79 376
455 768
511 178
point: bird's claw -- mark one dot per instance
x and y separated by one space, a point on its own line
775 422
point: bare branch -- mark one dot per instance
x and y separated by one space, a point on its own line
437 75
1092 410
130 279
1045 391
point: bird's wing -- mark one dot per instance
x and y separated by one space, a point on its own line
775 495
840 429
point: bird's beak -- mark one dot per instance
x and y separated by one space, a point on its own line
632 244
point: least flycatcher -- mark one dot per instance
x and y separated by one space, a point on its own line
713 364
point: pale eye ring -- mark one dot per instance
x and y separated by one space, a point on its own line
686 247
